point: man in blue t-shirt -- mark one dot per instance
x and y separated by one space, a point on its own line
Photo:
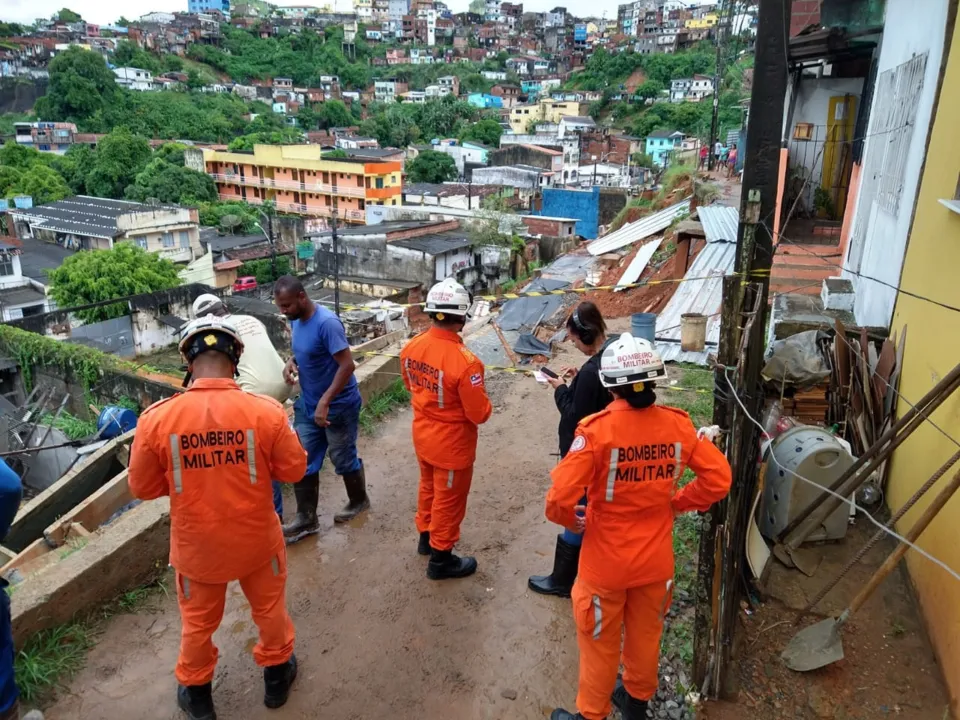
327 413
10 493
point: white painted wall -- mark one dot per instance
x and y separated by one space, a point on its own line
886 235
449 263
812 106
16 279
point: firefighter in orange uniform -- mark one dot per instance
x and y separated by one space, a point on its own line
629 458
449 402
213 450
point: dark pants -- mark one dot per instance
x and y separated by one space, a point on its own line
8 686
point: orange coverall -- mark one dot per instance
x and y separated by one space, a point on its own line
214 450
628 461
449 401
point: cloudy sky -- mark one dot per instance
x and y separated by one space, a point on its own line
107 11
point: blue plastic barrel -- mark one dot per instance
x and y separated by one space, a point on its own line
114 421
644 325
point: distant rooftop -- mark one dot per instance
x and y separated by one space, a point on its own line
436 244
37 256
86 216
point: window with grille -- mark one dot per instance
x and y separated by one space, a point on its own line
898 94
6 264
168 240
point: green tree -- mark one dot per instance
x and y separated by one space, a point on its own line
97 275
66 15
10 29
172 63
286 136
431 167
230 216
651 89
333 113
14 155
169 183
120 156
172 152
9 179
80 85
641 159
123 22
43 184
74 166
486 131
336 154
478 7
194 81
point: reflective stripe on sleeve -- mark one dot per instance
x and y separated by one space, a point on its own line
612 473
440 389
252 456
175 461
597 618
678 468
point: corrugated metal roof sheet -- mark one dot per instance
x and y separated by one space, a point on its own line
636 231
635 268
720 223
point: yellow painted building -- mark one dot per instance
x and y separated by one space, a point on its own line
931 350
705 23
298 180
546 110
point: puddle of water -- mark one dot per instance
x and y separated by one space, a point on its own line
360 520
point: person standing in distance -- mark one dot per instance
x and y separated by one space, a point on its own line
629 457
327 413
260 369
213 450
449 402
583 397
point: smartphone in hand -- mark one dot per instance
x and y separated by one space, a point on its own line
548 372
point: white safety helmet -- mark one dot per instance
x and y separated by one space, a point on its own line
629 360
449 298
210 333
206 304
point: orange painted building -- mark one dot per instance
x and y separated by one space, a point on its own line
300 181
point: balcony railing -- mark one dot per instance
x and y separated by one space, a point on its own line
301 209
319 188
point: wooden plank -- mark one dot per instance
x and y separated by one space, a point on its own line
76 531
58 499
6 555
38 548
92 512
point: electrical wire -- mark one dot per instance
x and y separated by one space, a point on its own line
845 269
848 501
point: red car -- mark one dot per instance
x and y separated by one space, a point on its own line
245 284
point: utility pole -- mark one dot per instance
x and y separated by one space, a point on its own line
336 258
718 73
720 582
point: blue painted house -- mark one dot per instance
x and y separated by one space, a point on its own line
581 205
483 100
660 143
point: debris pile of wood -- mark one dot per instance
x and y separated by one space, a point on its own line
809 406
864 381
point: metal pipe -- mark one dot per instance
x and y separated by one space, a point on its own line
878 535
829 503
947 382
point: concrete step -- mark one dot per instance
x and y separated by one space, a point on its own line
795 286
807 272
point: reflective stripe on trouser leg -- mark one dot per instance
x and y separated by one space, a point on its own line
598 639
252 456
612 473
201 610
424 497
449 478
175 463
449 506
265 590
643 627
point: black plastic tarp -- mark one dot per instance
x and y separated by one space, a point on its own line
526 312
528 344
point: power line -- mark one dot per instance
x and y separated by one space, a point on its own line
848 501
843 268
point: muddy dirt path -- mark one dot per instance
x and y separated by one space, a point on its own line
375 638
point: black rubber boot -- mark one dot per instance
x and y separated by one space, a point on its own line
444 565
356 485
566 560
630 708
561 714
277 681
307 492
197 701
423 547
